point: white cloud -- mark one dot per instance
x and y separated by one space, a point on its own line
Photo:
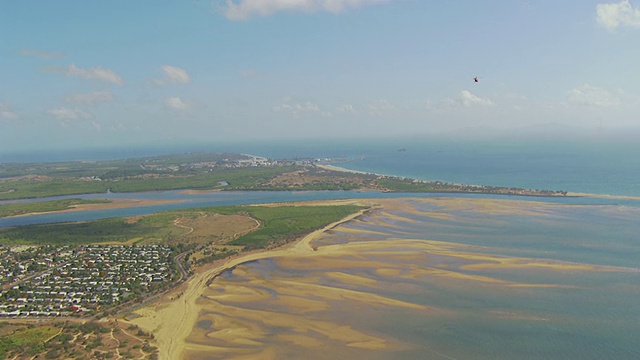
244 9
589 95
173 75
298 108
41 54
466 100
346 109
380 107
611 16
176 103
64 114
90 98
97 73
7 113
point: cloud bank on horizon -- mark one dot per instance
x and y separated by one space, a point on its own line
311 68
245 9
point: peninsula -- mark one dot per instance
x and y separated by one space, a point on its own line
128 277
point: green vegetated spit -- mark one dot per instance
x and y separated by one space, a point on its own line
284 223
277 225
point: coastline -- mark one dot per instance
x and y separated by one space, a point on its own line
437 187
568 194
341 169
173 318
178 324
133 202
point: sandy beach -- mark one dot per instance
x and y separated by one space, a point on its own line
341 169
173 318
569 194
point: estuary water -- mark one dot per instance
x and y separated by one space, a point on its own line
439 278
597 167
436 276
184 200
453 277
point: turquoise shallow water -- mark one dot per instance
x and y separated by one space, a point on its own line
590 167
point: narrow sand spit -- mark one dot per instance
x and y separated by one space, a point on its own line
171 321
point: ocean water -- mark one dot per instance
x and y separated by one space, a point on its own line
596 167
589 166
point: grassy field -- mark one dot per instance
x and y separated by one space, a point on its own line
113 169
168 172
27 340
285 223
236 179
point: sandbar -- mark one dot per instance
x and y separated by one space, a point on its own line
174 319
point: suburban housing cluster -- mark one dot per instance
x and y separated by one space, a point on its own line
80 280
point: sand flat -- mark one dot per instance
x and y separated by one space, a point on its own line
172 321
300 300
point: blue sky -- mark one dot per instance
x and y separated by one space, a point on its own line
123 73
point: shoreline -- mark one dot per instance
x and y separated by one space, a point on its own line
133 202
173 318
604 196
128 203
568 194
